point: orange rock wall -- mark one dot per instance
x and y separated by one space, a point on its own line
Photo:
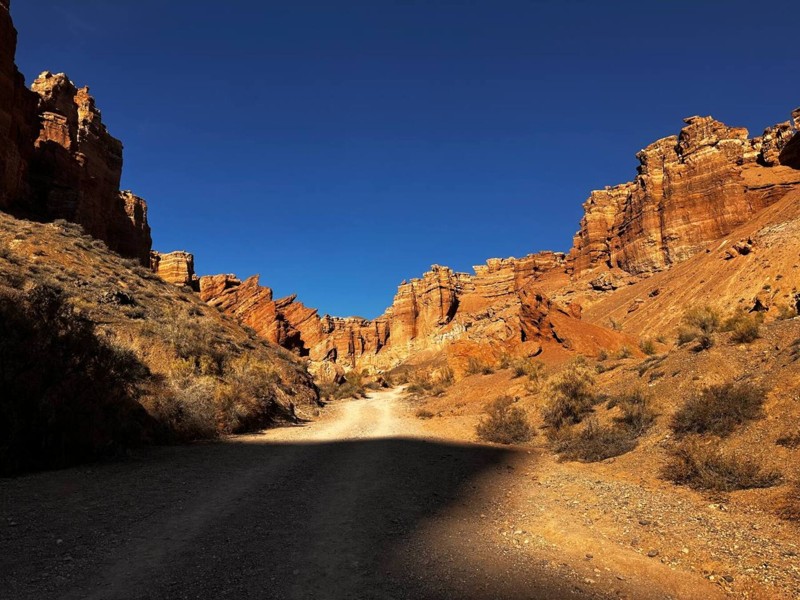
689 192
57 160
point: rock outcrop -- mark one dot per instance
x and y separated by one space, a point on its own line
57 159
18 126
691 189
77 169
498 307
176 268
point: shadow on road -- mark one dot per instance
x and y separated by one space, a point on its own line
259 520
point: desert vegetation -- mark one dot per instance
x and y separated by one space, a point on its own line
504 423
571 397
702 465
430 381
98 354
595 442
699 324
719 409
68 394
744 327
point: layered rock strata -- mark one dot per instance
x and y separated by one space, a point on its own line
176 268
691 189
57 159
77 168
498 306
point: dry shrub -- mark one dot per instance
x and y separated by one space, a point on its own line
572 397
647 346
700 323
624 353
744 327
595 442
478 367
702 466
789 440
67 394
686 335
424 414
430 382
354 386
247 402
789 506
786 312
196 341
504 423
187 409
702 318
636 412
719 409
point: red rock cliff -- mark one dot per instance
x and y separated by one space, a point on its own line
500 306
691 189
57 159
77 169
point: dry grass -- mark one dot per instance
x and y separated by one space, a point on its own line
719 409
595 442
504 423
430 381
703 466
572 397
745 327
198 374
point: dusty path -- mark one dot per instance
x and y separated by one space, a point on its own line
357 505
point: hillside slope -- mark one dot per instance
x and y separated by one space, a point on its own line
159 364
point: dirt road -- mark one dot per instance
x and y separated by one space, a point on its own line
357 505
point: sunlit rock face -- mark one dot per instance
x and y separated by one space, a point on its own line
691 189
498 307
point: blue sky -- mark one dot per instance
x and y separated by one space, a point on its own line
337 148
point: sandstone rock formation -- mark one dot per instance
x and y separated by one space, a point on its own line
691 189
498 307
77 169
57 159
176 268
18 127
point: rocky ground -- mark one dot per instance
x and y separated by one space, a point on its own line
370 502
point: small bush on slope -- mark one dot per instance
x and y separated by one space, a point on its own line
745 327
595 442
703 467
572 397
789 505
504 423
700 323
719 409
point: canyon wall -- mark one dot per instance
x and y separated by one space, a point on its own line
500 307
57 159
691 189
18 123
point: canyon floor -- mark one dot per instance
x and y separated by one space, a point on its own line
365 502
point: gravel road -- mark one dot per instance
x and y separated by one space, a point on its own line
356 505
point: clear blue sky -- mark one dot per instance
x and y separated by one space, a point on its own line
340 147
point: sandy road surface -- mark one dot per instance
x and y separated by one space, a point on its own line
357 505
